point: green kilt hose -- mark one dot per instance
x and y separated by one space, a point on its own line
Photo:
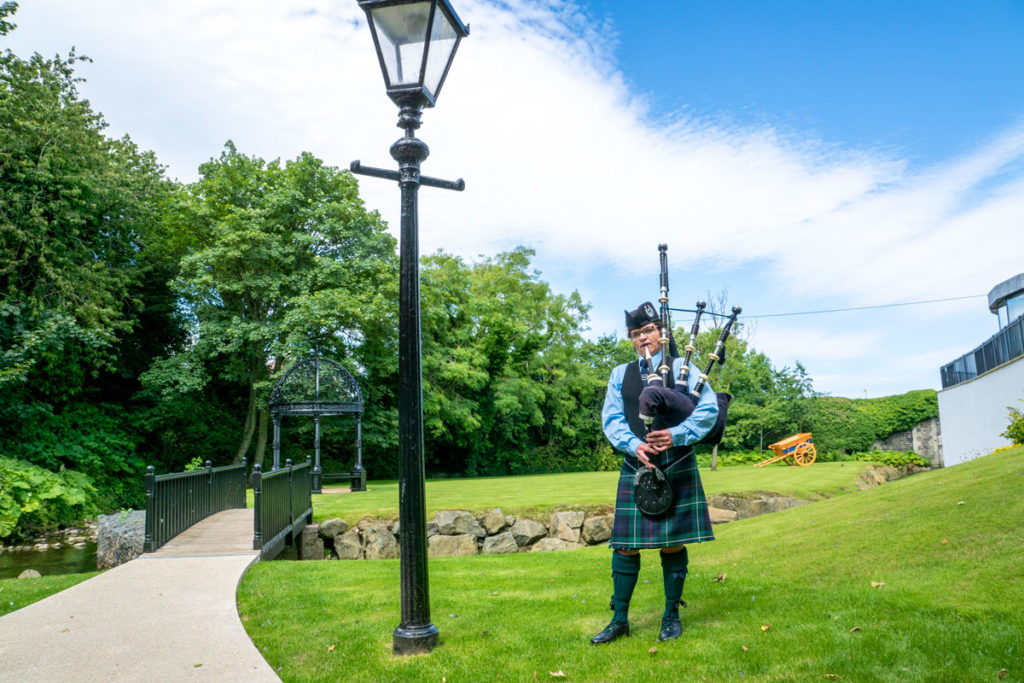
686 520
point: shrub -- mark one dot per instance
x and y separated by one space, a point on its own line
1015 432
33 498
893 458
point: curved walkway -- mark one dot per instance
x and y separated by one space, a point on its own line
168 615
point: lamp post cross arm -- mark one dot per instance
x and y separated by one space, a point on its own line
457 185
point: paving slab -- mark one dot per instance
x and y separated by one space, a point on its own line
169 616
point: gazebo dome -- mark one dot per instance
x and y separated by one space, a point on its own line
316 386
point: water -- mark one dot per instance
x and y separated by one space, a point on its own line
66 560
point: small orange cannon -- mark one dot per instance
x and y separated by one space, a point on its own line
799 447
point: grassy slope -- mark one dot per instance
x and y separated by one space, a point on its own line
947 611
543 493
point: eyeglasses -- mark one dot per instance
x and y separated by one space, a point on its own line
649 330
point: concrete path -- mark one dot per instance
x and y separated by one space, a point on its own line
166 616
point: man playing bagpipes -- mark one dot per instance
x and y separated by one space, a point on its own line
654 417
670 450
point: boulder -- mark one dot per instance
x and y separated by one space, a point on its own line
721 516
30 574
333 527
501 544
347 545
566 525
444 546
311 545
120 538
379 543
493 521
551 543
597 529
457 522
526 531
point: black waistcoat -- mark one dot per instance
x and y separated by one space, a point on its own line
632 385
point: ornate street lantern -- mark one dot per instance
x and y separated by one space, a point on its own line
415 42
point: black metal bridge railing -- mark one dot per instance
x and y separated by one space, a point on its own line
176 501
282 506
1000 348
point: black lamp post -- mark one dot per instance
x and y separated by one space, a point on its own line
415 41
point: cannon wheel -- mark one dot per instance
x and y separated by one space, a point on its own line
805 454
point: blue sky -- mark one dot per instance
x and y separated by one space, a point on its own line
800 156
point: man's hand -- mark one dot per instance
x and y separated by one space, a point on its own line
660 440
643 453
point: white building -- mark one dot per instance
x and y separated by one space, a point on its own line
978 387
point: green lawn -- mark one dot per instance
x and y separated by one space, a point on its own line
918 580
17 593
541 494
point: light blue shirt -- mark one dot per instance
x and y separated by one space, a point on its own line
690 430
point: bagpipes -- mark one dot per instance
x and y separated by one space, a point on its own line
664 403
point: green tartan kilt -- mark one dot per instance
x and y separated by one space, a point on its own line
686 521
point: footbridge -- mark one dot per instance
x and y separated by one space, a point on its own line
169 614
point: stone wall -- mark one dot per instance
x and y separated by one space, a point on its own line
925 439
457 532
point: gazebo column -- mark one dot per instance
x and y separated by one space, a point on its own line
277 441
359 483
317 471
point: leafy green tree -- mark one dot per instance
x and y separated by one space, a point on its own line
507 383
279 260
78 308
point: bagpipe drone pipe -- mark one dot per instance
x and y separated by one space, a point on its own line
666 403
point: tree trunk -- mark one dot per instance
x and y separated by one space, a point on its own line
261 438
714 457
250 427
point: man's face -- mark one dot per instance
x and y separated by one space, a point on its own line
645 339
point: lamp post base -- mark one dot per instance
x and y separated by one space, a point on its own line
414 640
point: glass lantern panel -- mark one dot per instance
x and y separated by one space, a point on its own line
402 32
443 40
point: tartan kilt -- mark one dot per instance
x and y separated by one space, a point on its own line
686 521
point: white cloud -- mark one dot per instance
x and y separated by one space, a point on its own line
557 152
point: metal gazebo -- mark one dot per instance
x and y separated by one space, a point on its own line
316 387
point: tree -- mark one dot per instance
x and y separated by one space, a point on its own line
78 213
278 261
505 389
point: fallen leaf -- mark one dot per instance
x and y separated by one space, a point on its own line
945 542
832 676
745 648
1003 673
877 584
766 627
720 578
557 674
653 650
330 648
855 628
64 630
664 661
196 666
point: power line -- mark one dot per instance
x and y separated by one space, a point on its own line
836 310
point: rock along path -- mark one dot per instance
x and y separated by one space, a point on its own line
168 615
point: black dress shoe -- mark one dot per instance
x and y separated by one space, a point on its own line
670 628
611 632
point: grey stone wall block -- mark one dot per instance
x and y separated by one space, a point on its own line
597 529
493 521
311 545
445 546
333 527
501 544
347 545
526 531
